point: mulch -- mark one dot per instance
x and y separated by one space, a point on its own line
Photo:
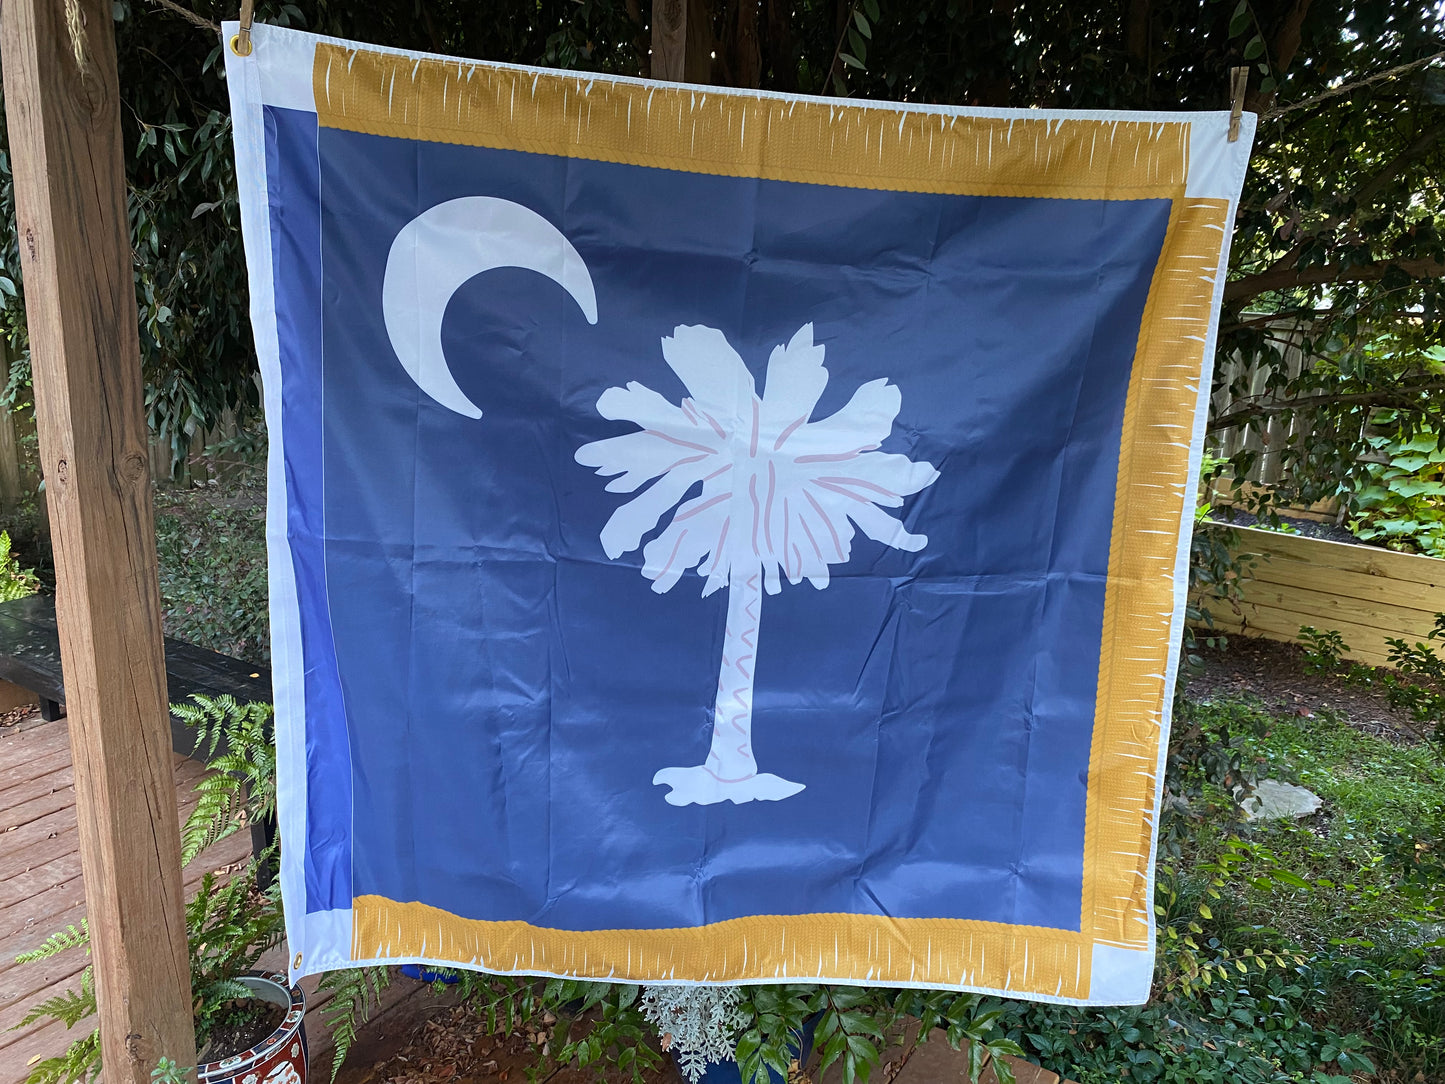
1273 673
455 1046
28 713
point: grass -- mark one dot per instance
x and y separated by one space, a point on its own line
1371 787
1289 952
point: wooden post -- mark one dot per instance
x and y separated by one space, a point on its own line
681 41
63 109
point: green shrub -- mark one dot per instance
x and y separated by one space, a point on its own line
212 551
15 582
1403 504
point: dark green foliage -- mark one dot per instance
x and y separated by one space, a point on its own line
1421 687
15 582
617 1037
1255 1031
1339 231
211 544
1324 648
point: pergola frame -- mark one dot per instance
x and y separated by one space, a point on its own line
62 104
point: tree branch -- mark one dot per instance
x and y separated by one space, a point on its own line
1379 397
1418 147
1308 314
189 15
1287 37
1136 30
1282 278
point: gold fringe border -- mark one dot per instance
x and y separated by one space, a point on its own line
737 135
685 129
1159 416
763 948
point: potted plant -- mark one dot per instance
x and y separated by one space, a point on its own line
248 1022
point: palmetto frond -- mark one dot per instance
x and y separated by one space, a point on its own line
781 492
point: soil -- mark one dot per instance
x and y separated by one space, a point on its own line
1274 674
243 1023
1310 528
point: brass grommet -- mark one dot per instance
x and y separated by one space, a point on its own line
236 45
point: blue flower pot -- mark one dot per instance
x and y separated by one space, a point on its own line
728 1072
426 974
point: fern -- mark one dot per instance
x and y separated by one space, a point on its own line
235 740
223 990
81 1060
70 1008
80 1064
61 941
355 990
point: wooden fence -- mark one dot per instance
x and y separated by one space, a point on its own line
1277 434
20 465
1367 595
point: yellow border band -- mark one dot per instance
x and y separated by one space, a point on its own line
1154 457
835 947
892 149
735 135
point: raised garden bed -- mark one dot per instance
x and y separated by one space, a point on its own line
1366 594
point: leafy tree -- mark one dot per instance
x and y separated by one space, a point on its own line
1338 246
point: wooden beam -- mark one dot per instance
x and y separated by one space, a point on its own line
63 112
682 42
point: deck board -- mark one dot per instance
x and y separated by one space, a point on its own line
41 888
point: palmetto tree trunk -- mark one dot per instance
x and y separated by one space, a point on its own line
730 772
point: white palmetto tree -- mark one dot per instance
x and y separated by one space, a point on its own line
781 495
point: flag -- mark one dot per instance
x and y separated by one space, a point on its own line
723 537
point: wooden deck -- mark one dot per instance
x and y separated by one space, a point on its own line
41 891
40 884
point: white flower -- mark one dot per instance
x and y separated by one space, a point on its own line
698 1024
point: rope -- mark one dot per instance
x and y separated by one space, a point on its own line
1347 87
187 14
75 25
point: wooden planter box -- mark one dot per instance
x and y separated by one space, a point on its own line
1367 595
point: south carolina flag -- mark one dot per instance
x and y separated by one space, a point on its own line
721 537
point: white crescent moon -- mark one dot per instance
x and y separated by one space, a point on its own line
443 247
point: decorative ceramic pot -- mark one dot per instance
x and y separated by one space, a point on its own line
280 1058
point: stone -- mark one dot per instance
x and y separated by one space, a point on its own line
1274 800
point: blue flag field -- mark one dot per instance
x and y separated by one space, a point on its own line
723 537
